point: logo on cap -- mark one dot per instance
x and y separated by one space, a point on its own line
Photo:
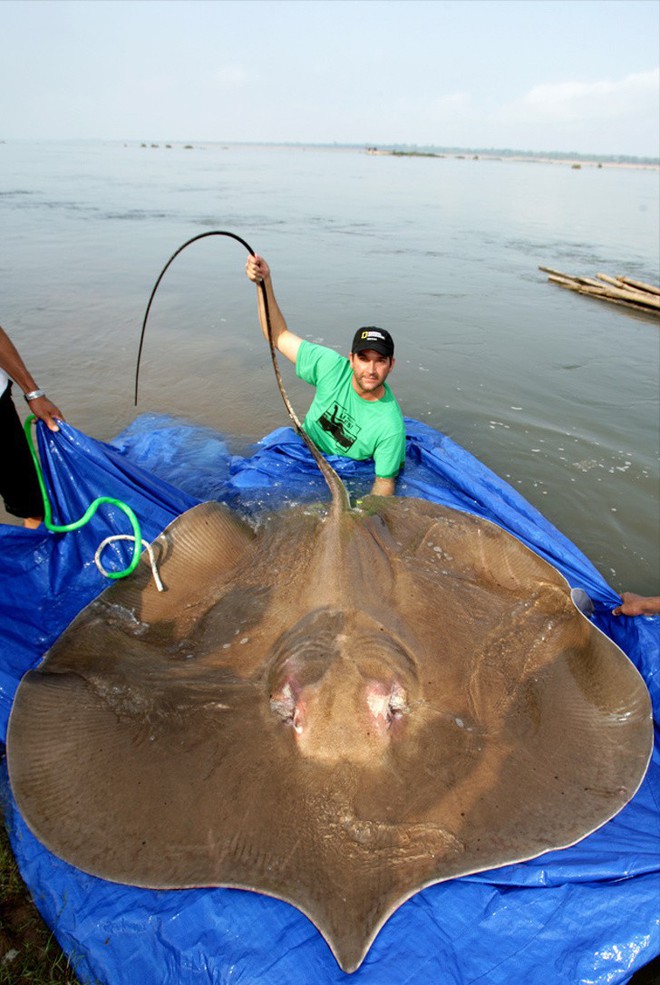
373 338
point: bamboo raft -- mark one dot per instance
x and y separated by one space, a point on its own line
616 290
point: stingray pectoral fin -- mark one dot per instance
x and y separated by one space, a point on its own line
196 551
147 792
470 546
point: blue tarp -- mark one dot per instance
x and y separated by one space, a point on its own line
588 914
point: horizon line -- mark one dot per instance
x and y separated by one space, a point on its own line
374 147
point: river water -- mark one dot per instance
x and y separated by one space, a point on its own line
556 392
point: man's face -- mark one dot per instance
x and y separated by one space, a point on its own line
370 370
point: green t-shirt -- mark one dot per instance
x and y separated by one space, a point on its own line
340 422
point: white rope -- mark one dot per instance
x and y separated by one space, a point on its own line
149 549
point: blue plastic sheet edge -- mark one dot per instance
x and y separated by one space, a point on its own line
587 914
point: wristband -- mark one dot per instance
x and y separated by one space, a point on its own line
33 394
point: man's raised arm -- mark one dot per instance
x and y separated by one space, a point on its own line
284 341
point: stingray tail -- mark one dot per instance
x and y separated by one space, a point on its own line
340 498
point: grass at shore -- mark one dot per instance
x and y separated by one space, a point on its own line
29 953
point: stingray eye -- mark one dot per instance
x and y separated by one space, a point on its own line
397 705
283 704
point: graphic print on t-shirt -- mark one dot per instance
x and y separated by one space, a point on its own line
336 420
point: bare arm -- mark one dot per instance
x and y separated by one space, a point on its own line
284 341
13 365
383 487
637 605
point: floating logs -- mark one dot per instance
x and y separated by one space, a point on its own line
617 290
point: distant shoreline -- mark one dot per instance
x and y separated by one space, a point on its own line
576 162
572 160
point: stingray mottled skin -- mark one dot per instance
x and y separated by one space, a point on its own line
338 710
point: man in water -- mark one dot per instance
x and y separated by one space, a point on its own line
354 412
19 486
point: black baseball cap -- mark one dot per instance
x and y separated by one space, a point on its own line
372 337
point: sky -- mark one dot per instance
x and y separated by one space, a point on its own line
533 75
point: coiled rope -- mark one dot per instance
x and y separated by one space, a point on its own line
136 537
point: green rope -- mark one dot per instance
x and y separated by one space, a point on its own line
89 513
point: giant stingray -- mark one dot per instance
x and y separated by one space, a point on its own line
338 709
